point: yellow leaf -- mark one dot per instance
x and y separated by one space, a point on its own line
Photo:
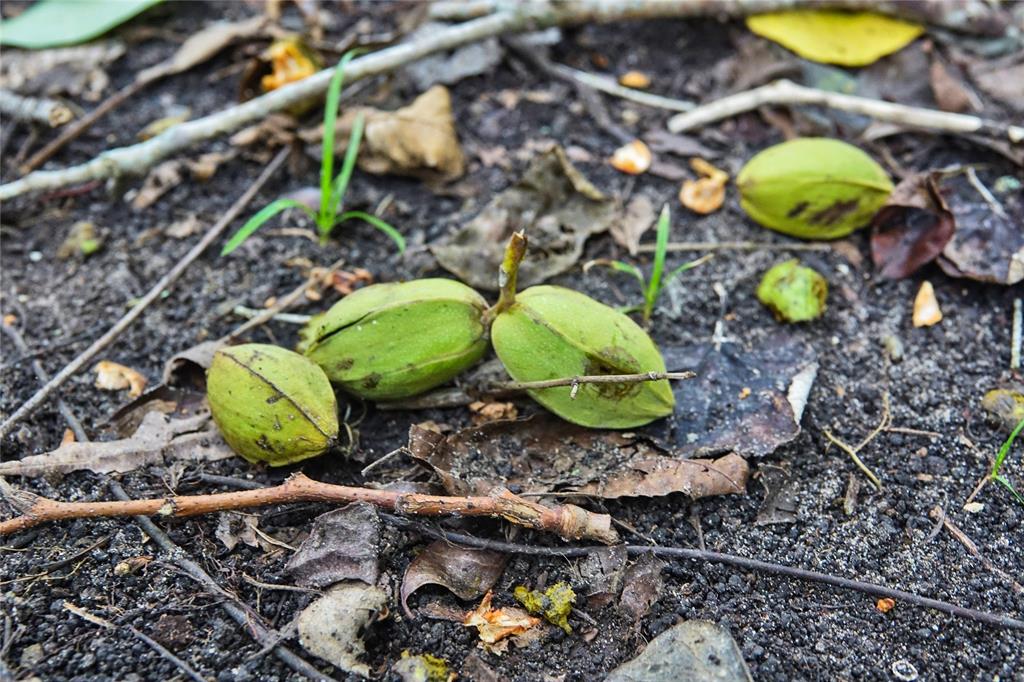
833 37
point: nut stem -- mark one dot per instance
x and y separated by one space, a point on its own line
508 274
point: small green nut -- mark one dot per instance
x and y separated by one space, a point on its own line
392 341
813 188
553 333
794 293
271 404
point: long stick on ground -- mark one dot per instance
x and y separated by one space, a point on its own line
513 18
787 92
163 284
568 521
729 560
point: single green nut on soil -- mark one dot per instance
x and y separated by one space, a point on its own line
554 333
391 341
813 188
271 404
792 292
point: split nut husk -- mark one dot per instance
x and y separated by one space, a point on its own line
793 292
395 340
813 188
552 333
272 405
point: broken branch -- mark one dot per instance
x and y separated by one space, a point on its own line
787 92
568 521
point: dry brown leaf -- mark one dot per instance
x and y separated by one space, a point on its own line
110 376
161 179
635 221
73 71
950 93
343 544
494 625
490 411
707 194
183 228
468 573
276 130
633 158
926 306
654 476
204 44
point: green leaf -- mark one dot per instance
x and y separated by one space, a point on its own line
54 23
381 225
1005 450
619 266
327 149
835 37
256 222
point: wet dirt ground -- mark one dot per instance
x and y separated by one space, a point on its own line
786 629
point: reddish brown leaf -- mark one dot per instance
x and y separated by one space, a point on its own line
468 573
912 228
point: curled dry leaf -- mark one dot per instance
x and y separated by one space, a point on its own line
779 505
494 625
72 71
204 44
556 206
926 306
637 218
290 61
331 628
159 439
468 573
707 194
642 586
110 376
490 411
912 228
161 179
633 158
343 544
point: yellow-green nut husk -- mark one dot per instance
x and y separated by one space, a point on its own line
793 292
392 341
271 404
813 188
552 333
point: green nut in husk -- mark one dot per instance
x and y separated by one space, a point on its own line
813 188
271 404
548 332
793 292
391 341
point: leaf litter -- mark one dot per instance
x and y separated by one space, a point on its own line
343 544
468 573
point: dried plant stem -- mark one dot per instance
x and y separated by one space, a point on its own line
46 111
568 521
788 92
1015 335
576 382
155 292
771 568
610 87
735 246
938 515
853 452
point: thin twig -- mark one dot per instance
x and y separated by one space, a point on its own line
787 92
912 432
248 619
853 452
772 568
576 382
610 87
734 246
939 515
47 111
155 292
286 318
568 521
160 649
1015 335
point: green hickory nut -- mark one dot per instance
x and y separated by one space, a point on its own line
552 333
813 188
271 404
793 292
392 341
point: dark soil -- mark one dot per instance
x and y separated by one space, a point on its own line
786 629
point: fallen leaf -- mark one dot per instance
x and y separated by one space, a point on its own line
556 206
642 586
331 628
658 476
637 218
274 130
205 166
690 650
494 625
204 44
159 439
1001 79
1006 405
110 376
661 140
343 544
602 572
468 573
187 369
926 306
635 79
450 68
709 416
912 228
164 123
183 227
82 240
885 604
236 527
490 411
161 179
345 282
633 158
835 37
950 93
974 507
71 71
56 24
779 505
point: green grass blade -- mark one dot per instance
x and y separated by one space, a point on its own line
660 249
688 266
1005 449
1009 486
381 225
347 166
618 266
256 222
327 149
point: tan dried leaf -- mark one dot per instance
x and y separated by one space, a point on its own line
110 376
484 412
494 625
635 221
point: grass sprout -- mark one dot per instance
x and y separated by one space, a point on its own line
332 189
651 288
997 465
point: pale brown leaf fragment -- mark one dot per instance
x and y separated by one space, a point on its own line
637 218
111 376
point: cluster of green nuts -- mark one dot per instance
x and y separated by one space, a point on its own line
393 341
